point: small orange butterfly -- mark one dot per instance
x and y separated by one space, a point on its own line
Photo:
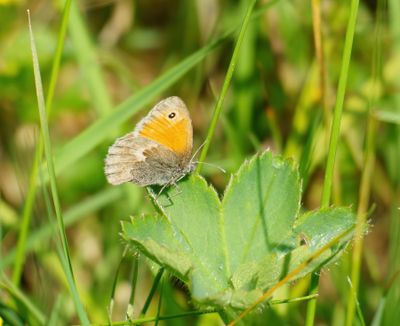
159 149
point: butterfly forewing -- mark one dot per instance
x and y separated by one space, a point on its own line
169 124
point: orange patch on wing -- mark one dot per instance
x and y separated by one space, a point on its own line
174 135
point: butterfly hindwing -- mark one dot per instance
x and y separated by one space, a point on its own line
140 160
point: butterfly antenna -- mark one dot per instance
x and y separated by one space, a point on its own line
197 151
213 165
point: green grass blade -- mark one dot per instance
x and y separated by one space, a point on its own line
153 289
337 114
64 255
225 86
30 199
334 138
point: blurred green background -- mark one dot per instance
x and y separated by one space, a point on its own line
115 49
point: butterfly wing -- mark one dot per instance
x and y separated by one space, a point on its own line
140 160
169 124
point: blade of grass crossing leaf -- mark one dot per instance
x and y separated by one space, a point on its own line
225 86
283 301
30 199
292 274
64 255
334 138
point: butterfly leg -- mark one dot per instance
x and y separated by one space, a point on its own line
177 187
161 190
169 196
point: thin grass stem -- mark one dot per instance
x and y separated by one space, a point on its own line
337 114
65 256
226 84
152 292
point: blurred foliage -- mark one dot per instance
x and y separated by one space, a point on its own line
115 49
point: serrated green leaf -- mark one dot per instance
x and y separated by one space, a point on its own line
230 252
194 211
167 250
259 209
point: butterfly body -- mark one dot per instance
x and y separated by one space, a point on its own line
159 149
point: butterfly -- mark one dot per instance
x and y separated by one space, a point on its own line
158 151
